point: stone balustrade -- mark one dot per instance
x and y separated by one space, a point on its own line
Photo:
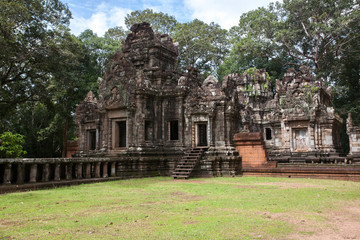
33 170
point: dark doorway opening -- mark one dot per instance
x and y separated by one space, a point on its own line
92 139
268 134
202 135
121 134
174 130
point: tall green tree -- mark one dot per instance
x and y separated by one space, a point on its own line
116 34
298 32
159 21
27 30
201 45
101 49
44 72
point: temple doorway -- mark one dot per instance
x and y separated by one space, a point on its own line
121 134
202 134
299 140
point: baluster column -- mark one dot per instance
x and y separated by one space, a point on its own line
57 172
97 169
33 173
79 170
46 172
87 170
105 170
20 174
7 174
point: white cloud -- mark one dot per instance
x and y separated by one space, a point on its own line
224 12
103 18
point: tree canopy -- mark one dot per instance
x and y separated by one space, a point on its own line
160 22
201 45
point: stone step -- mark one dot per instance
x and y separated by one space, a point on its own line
188 163
180 176
183 169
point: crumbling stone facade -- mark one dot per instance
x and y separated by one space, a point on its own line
354 140
147 110
297 121
150 120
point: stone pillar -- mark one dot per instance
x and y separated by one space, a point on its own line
46 172
105 169
20 174
7 174
68 171
97 169
33 173
113 169
87 170
57 172
79 170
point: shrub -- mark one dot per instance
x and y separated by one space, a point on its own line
11 145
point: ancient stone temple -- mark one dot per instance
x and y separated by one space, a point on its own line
150 120
150 116
297 121
147 111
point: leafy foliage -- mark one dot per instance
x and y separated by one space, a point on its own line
201 45
11 145
28 29
160 22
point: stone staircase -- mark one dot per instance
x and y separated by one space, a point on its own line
188 163
298 158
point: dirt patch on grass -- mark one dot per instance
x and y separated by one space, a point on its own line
245 186
185 196
343 223
285 185
190 181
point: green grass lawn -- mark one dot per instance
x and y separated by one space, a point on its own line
163 208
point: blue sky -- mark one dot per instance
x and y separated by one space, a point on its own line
100 15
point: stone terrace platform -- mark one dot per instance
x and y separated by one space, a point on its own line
324 171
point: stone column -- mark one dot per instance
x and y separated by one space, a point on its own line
79 170
87 170
68 171
46 172
97 169
105 169
20 174
7 174
33 173
113 169
57 172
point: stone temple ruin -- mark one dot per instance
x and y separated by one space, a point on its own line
151 120
147 110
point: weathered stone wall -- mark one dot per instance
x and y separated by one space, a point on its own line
354 140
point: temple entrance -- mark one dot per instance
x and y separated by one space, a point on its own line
120 140
92 139
202 134
299 140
